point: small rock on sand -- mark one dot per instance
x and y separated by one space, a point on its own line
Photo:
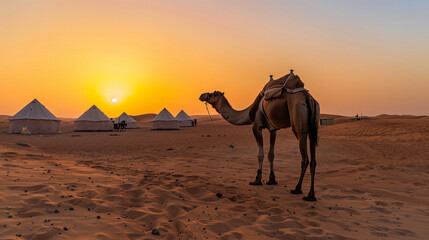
155 232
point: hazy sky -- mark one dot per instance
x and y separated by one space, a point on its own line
369 57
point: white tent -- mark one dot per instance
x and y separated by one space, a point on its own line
93 120
131 123
184 119
164 120
34 119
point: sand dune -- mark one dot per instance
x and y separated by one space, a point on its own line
371 183
144 117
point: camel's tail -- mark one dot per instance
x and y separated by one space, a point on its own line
313 117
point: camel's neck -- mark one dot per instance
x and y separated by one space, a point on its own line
232 116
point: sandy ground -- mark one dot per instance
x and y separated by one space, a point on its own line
372 182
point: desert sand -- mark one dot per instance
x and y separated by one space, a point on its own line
372 182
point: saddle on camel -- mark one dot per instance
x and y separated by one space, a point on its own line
275 94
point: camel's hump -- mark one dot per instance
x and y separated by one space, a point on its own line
294 82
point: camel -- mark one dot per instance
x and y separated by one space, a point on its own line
295 108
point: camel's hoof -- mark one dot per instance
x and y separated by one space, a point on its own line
255 183
272 182
295 191
309 198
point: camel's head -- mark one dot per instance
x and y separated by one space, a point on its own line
211 98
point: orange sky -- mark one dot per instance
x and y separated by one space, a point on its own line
368 57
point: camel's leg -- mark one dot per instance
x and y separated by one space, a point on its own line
304 161
272 180
311 196
257 132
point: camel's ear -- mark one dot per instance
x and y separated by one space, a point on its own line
223 93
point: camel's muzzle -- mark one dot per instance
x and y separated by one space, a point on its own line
204 97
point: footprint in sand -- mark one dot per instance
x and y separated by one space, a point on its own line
398 204
238 208
155 210
29 214
312 224
8 165
197 192
174 211
134 214
110 191
292 224
9 154
28 188
237 235
310 214
219 228
379 234
276 210
404 232
316 231
46 233
82 202
126 186
379 209
35 200
378 203
136 193
276 219
89 194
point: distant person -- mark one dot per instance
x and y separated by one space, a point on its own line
195 122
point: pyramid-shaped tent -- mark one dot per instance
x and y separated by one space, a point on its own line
93 120
34 118
164 120
131 123
184 119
